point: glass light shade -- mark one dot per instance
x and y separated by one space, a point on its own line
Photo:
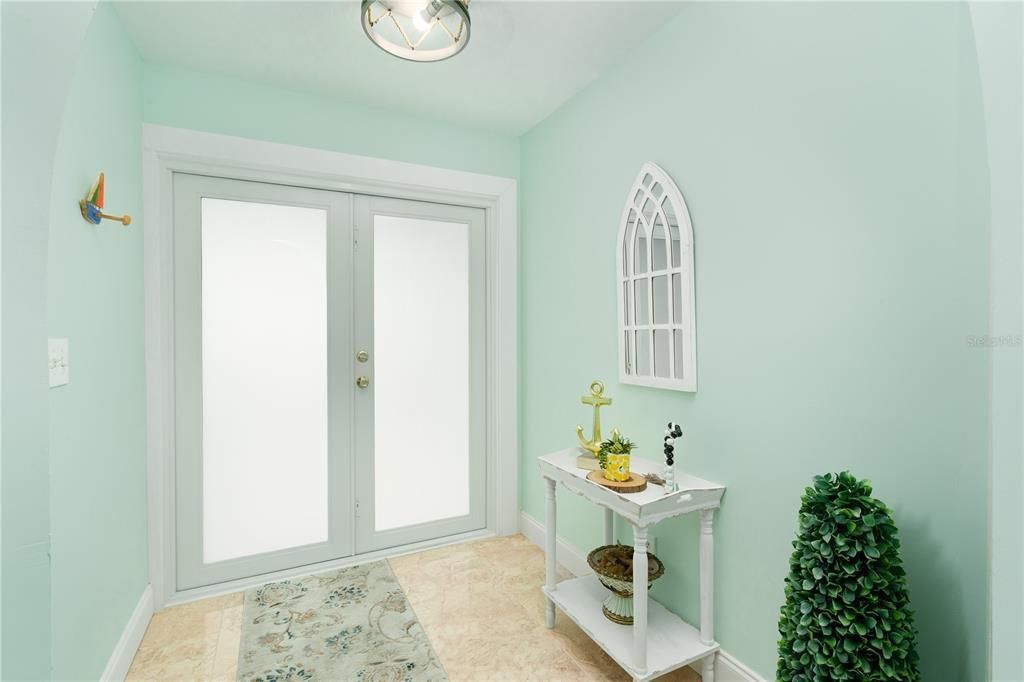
417 30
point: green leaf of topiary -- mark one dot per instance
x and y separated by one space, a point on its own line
846 614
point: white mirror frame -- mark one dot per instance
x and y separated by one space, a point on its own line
656 204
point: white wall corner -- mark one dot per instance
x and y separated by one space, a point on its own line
121 658
727 667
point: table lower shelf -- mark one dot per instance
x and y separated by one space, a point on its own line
671 641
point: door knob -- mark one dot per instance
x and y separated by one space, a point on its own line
363 382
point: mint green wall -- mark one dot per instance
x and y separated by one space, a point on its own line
841 263
40 45
218 104
97 422
998 29
832 157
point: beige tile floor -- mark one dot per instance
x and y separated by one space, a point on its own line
194 641
479 603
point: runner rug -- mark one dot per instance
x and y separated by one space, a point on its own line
350 624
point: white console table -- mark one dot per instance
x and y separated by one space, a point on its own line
659 640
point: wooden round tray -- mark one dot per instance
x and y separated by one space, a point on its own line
635 483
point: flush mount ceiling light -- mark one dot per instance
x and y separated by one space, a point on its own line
418 30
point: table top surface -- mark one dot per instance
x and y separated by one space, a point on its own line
564 461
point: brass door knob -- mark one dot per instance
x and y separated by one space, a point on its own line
363 382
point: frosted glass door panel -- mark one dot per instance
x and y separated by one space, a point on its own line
263 407
421 339
264 378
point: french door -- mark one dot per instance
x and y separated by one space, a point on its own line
420 317
329 375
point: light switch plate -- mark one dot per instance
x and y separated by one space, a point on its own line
58 362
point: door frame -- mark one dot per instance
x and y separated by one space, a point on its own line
166 150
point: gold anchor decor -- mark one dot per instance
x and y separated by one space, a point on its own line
597 400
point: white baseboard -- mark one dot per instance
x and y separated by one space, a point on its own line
567 554
121 658
727 668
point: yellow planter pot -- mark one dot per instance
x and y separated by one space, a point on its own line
617 468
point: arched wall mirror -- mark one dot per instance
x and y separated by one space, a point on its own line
657 314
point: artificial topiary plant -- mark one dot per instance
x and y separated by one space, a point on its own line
847 614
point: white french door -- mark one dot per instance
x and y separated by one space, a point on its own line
420 308
329 375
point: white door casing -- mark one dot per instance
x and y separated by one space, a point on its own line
169 150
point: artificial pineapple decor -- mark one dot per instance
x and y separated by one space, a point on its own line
613 456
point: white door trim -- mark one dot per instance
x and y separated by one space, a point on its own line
167 150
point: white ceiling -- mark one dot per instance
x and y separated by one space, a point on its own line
523 61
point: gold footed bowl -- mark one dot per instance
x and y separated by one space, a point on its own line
613 565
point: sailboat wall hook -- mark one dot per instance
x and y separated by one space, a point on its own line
92 205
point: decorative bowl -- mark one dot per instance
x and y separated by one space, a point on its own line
613 565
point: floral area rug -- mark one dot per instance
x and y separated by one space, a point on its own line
353 624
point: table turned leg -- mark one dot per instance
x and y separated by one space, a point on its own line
707 590
550 545
707 671
640 599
